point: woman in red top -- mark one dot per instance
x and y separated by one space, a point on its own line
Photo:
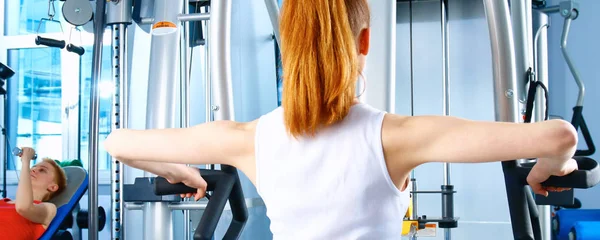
28 215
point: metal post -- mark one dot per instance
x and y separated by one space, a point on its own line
445 74
220 58
119 16
447 211
160 110
541 72
184 97
523 38
94 115
506 105
194 17
207 79
413 177
120 112
503 58
273 9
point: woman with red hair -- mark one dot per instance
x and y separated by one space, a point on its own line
326 165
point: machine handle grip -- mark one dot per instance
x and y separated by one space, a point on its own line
50 42
18 152
163 187
578 121
587 176
75 49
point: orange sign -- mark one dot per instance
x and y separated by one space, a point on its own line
164 24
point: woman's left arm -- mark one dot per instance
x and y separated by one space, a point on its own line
38 213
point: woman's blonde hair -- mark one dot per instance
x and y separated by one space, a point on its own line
319 57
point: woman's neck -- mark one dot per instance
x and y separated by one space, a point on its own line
38 196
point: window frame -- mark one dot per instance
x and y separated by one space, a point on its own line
70 97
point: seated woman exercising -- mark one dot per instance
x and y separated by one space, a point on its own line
326 165
29 214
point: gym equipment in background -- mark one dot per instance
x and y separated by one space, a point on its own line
5 73
413 223
49 42
162 19
525 220
585 231
225 187
565 219
78 12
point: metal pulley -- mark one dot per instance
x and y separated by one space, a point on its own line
77 12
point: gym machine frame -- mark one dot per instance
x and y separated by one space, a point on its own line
447 221
160 109
507 89
225 183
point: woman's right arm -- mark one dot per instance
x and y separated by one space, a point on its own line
412 141
219 142
42 213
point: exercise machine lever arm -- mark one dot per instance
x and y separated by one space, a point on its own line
563 48
226 186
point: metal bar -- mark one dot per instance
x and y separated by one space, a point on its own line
536 39
506 107
124 114
220 58
191 17
207 78
550 9
133 206
563 48
184 96
447 208
413 177
521 23
161 99
5 121
158 222
503 58
273 10
540 48
118 12
118 16
541 72
188 206
201 205
445 75
94 118
120 104
145 21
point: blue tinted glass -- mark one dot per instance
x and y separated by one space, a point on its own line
24 17
34 102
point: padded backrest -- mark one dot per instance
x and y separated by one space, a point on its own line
75 177
77 184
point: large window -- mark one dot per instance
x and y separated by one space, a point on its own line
23 17
34 101
47 105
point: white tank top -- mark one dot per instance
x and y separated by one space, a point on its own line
332 186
